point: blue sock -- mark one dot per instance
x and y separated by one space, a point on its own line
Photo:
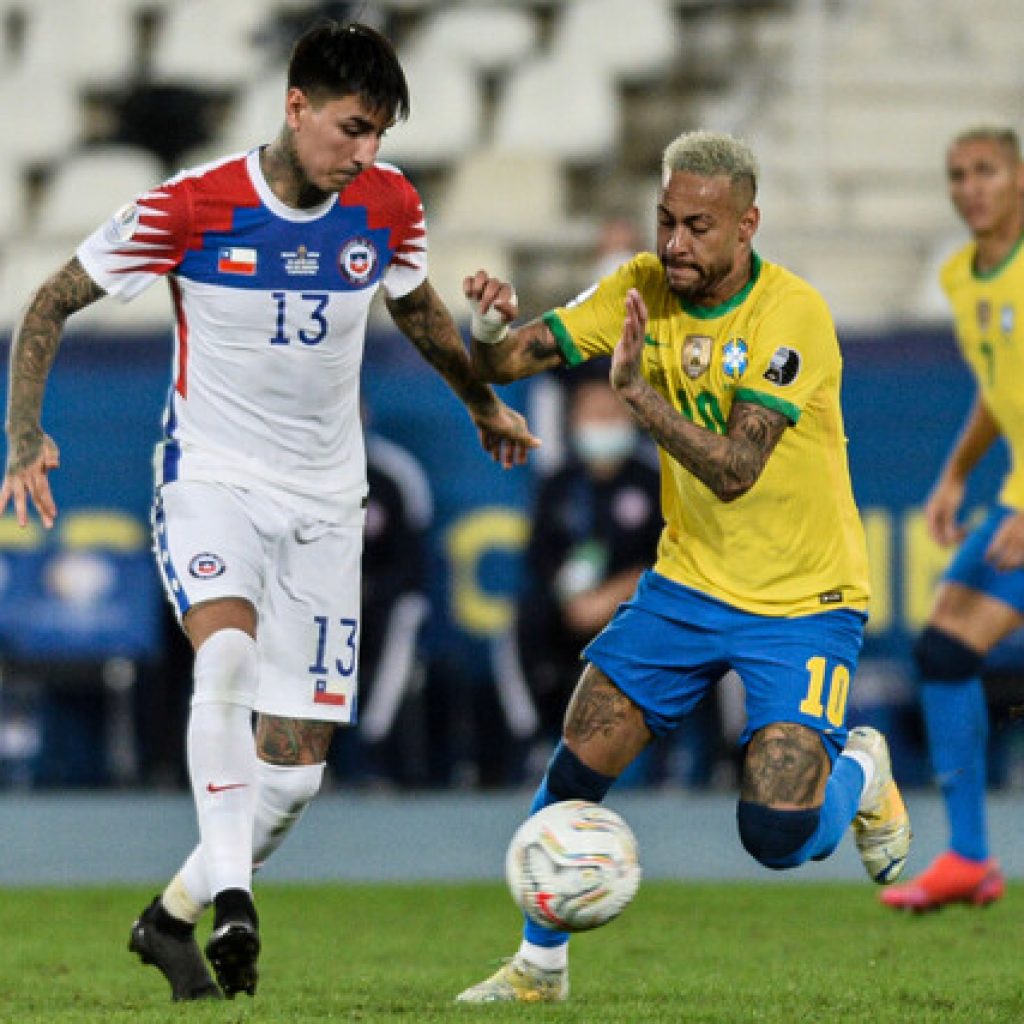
842 795
567 778
956 718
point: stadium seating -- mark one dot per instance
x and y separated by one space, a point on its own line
82 44
488 36
634 40
535 121
446 116
89 186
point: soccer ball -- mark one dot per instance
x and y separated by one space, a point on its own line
573 866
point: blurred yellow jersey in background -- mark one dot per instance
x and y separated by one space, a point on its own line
987 310
793 544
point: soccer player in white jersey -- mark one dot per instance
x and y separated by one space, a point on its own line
272 258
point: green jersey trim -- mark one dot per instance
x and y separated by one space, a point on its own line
570 353
790 411
987 275
712 312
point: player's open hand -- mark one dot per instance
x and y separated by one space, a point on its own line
26 481
941 510
1006 550
504 435
627 359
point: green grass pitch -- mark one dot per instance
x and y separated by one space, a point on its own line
701 953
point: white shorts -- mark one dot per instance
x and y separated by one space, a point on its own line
302 575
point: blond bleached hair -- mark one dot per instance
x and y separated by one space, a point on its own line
713 155
999 134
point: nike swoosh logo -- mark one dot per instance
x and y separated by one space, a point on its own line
211 788
648 340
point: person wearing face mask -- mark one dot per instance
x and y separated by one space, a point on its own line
596 523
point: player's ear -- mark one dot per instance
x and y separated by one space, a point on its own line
749 221
295 102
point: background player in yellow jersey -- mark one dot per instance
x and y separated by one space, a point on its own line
732 365
981 599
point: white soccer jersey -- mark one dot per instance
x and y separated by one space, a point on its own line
270 305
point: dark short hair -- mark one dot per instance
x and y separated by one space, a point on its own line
333 59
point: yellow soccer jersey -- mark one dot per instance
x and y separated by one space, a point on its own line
988 310
793 544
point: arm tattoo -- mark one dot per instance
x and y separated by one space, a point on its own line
728 464
292 741
785 764
597 707
33 349
424 319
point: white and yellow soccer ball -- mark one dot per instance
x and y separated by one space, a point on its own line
573 866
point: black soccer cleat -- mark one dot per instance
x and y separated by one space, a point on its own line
234 943
170 946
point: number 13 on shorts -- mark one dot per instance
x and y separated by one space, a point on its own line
838 691
334 665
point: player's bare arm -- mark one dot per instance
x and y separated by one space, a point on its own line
292 741
979 433
730 464
30 452
425 320
785 767
519 353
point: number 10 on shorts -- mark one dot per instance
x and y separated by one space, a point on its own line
335 662
838 691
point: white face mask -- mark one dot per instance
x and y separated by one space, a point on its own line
604 442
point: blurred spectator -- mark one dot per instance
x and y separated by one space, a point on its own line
596 524
619 239
389 743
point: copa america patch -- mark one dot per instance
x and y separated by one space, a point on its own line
357 260
206 566
125 222
784 367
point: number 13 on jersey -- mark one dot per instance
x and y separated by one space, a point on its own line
334 666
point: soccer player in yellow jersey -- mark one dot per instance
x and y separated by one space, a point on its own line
732 365
981 599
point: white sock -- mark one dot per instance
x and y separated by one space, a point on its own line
222 757
179 902
547 958
282 794
867 766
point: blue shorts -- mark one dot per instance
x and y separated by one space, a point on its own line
669 644
970 569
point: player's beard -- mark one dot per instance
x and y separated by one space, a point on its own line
707 280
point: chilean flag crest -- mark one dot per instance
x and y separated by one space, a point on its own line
235 259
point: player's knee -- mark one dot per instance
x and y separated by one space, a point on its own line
945 659
568 778
775 838
225 669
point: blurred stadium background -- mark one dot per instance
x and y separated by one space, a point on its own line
535 124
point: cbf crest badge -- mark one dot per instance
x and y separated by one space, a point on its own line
1006 319
734 358
696 355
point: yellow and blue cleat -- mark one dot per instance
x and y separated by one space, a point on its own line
881 826
519 981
